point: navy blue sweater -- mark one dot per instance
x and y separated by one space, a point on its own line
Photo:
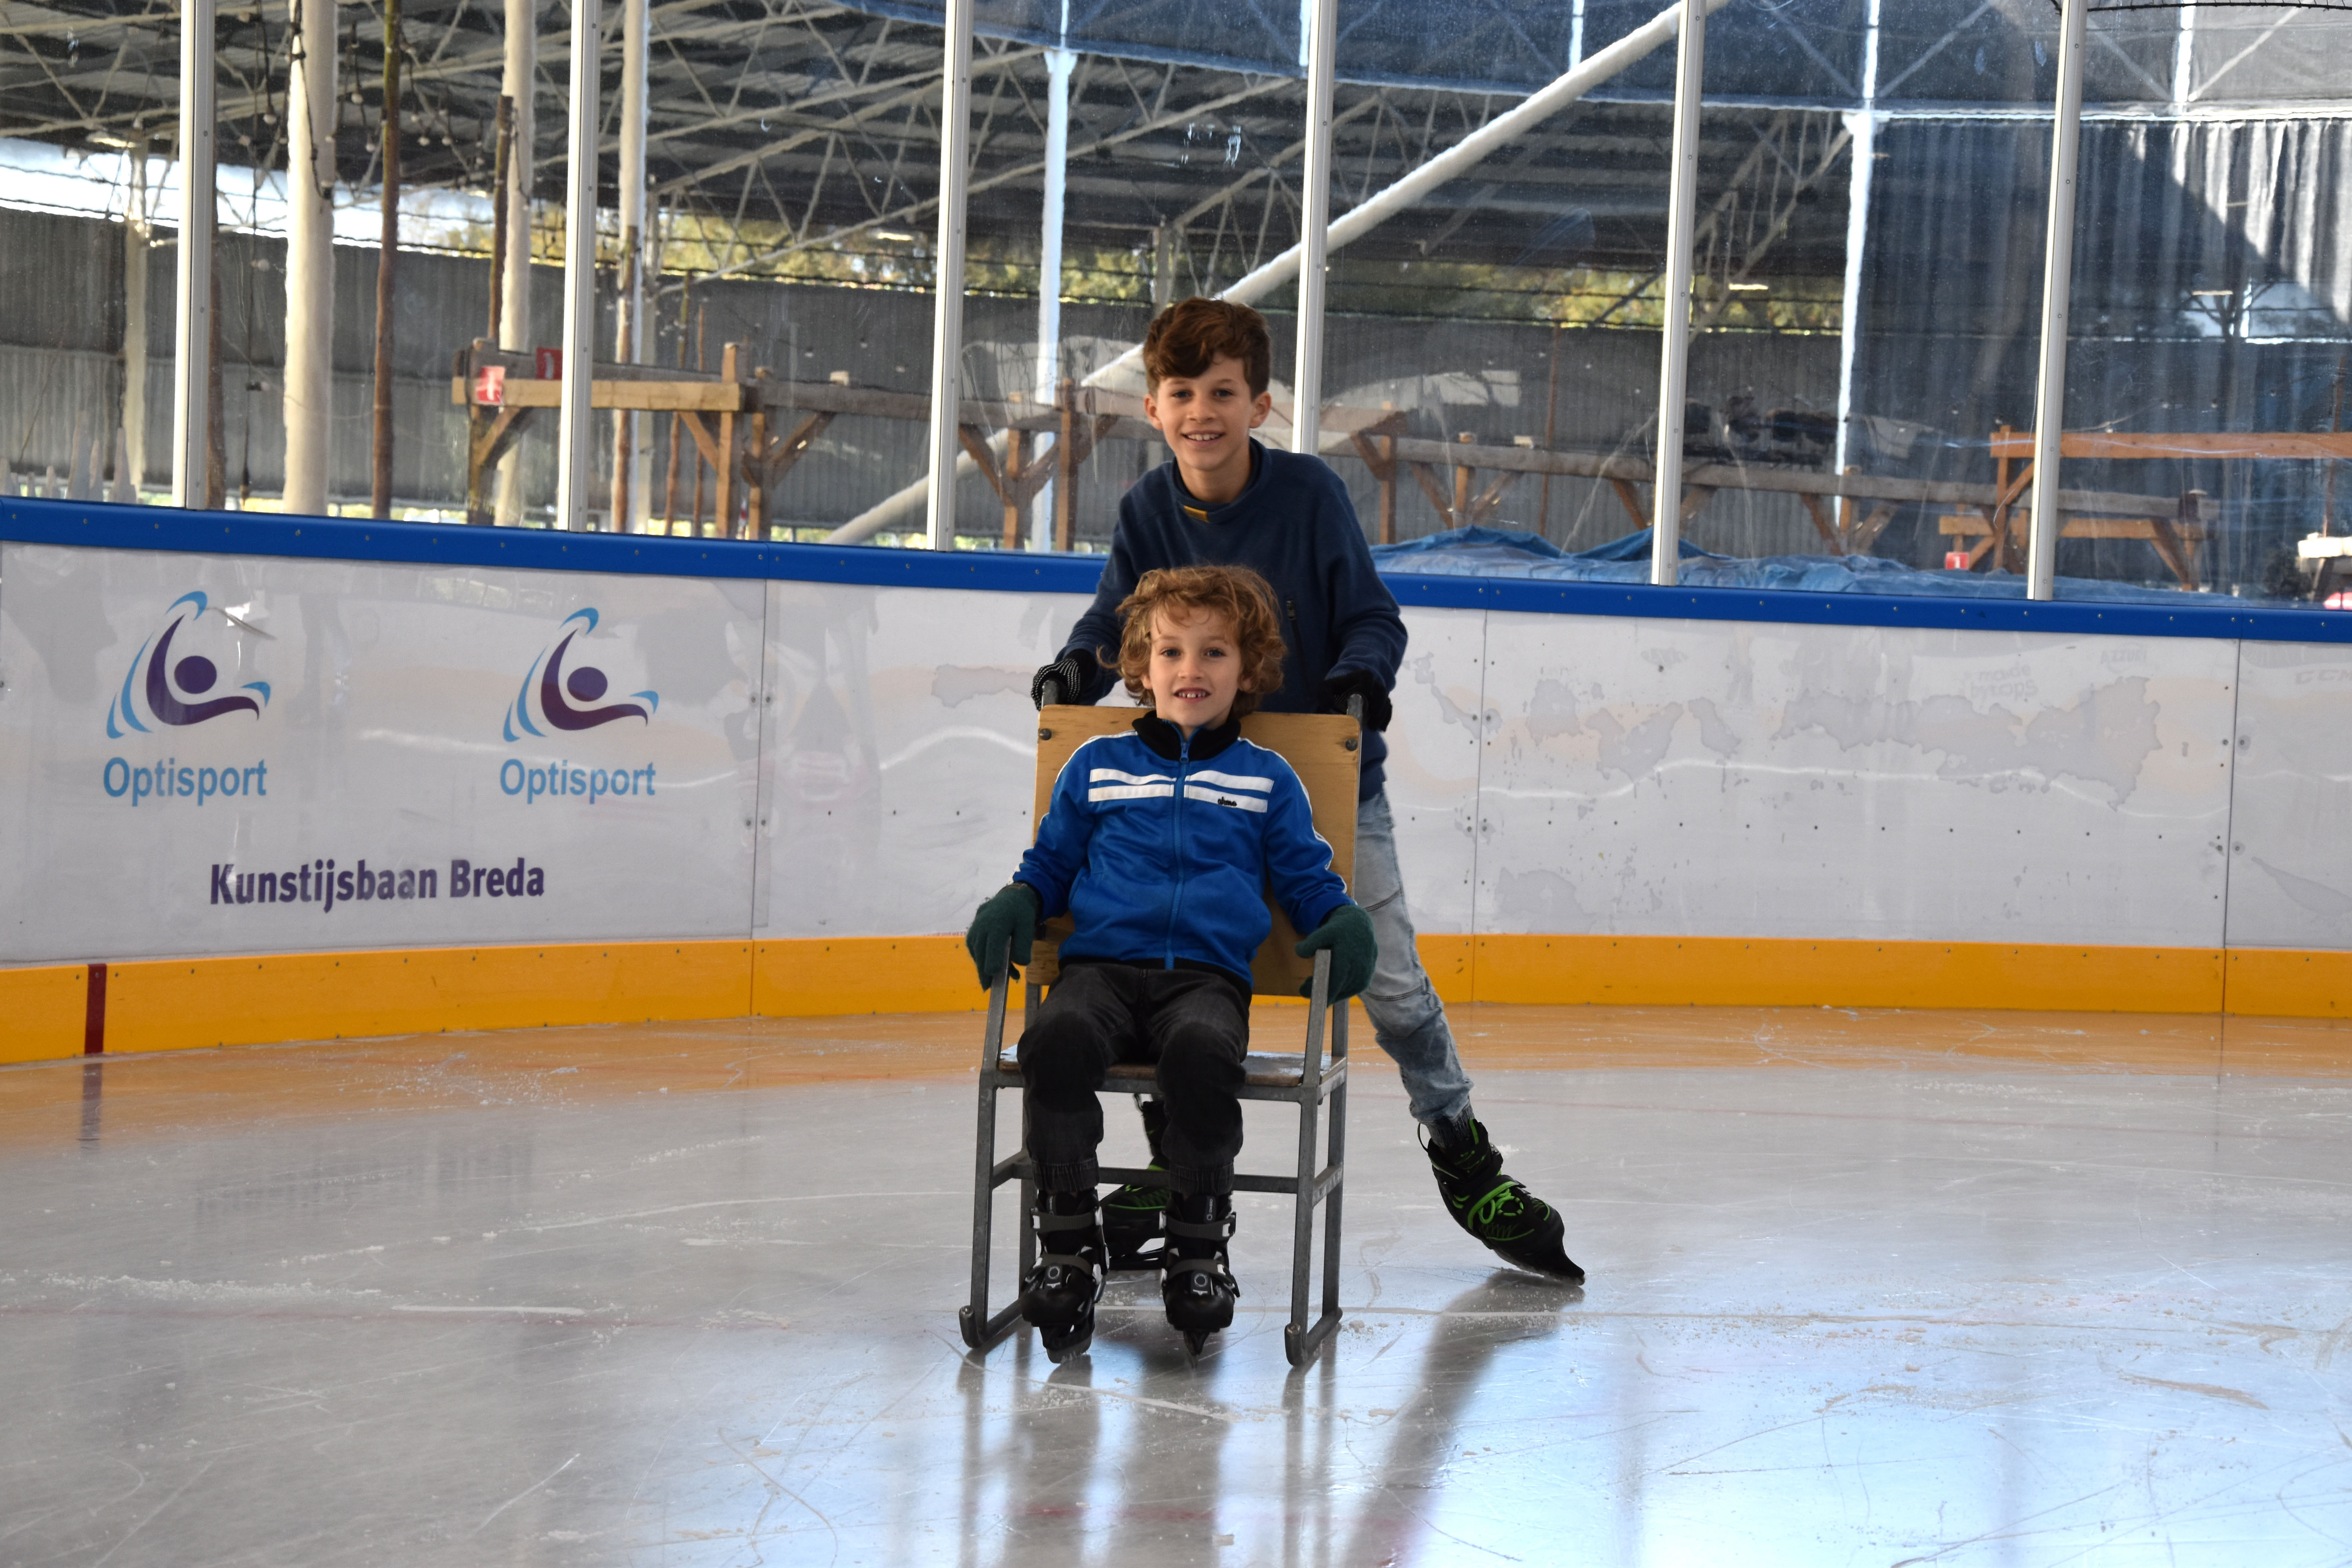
1294 526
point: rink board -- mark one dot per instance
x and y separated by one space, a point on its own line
794 771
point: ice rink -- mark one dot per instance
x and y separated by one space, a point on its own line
1871 1289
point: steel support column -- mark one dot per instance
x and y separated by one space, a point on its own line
1673 354
2057 288
308 397
1860 162
517 82
575 467
628 496
1059 63
137 235
192 328
1320 18
947 298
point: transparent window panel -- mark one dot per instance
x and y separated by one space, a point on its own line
1181 174
809 253
2212 317
1943 258
1509 325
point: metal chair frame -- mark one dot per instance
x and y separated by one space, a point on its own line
1306 1080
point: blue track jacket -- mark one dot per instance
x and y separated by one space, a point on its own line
1161 848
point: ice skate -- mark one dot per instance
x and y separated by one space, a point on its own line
1511 1220
1059 1297
1196 1282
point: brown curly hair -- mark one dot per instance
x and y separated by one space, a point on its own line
1236 593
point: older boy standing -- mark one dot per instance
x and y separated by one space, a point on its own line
1226 500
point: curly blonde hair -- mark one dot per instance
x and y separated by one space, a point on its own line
1236 593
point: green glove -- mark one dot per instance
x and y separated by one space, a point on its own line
1009 919
1348 933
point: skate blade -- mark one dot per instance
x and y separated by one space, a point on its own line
1197 1339
1069 1353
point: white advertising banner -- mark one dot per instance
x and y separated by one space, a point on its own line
213 755
219 754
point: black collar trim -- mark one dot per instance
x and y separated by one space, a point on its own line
1167 741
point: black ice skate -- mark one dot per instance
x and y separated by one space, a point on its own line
1132 1214
1059 1297
1196 1283
1511 1220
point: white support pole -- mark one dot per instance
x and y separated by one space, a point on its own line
1059 63
1673 354
137 236
1861 160
1321 18
628 495
947 298
1357 221
516 82
192 327
2184 57
2057 288
575 467
309 392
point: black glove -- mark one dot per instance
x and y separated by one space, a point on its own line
1348 933
1005 927
1075 670
1348 683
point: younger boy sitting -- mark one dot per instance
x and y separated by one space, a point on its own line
1159 843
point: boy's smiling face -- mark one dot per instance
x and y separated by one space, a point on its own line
1207 419
1194 668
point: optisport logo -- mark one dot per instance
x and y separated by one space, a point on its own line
567 699
158 690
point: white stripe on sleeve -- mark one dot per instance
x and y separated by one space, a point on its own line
1134 791
1235 781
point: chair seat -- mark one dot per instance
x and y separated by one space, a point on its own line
1260 1070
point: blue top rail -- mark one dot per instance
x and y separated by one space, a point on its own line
92 525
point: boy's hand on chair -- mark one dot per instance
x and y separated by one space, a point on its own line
1074 672
1006 926
1356 683
1348 933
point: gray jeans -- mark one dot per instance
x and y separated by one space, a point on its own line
1408 1020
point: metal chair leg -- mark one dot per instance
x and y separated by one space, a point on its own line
1337 1143
979 1329
1300 1341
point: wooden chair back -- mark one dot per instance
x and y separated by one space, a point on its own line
1324 749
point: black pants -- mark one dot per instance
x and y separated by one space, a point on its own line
1193 1023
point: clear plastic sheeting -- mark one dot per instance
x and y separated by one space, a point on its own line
1506 553
1953 53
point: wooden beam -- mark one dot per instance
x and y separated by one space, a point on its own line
641 396
1631 500
1820 521
778 459
1427 478
2142 443
727 358
1016 458
1491 498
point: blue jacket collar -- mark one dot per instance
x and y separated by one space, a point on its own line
1167 741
